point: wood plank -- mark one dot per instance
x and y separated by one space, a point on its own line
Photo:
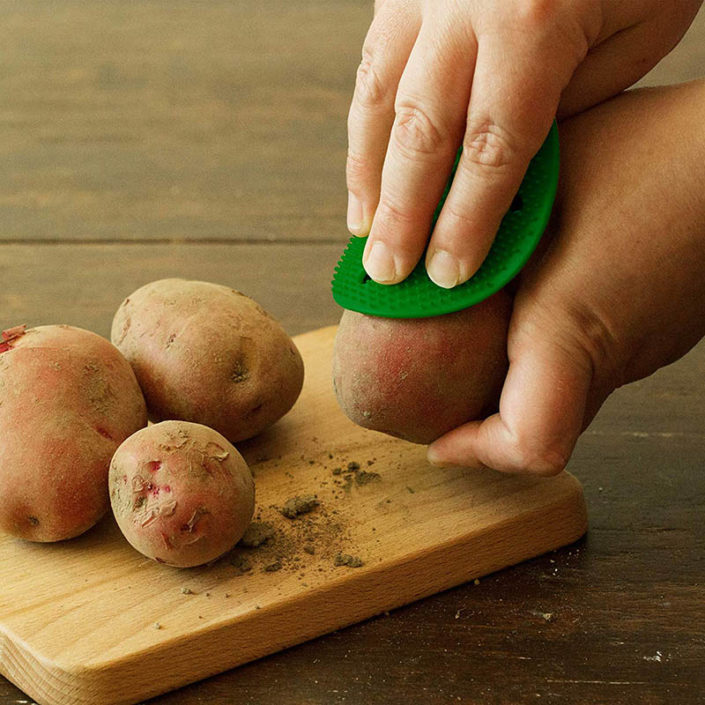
84 285
174 119
91 621
181 120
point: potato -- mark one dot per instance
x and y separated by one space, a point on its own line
67 400
181 493
419 378
208 354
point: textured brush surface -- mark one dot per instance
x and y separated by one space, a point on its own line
417 296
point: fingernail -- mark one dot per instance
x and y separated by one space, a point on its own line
444 269
379 263
434 458
355 216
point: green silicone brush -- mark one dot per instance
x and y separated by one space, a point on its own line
417 296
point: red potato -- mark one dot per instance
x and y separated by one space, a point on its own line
208 354
67 400
420 378
181 493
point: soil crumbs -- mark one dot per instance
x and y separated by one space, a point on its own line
284 538
299 505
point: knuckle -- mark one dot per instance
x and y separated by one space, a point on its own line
370 90
460 217
489 146
389 213
415 132
537 13
595 337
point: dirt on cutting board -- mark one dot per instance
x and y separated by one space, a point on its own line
285 537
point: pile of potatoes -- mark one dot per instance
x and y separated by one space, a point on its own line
205 362
210 368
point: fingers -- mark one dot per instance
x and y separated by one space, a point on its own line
430 107
516 63
510 113
384 55
541 414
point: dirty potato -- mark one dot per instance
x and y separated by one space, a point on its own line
208 354
67 400
181 493
420 378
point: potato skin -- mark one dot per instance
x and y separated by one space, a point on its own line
417 379
181 493
67 401
208 354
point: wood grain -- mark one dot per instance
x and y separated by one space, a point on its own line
83 285
176 119
91 621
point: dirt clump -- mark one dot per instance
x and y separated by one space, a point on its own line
257 533
295 506
348 560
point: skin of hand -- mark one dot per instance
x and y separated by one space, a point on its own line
490 75
618 291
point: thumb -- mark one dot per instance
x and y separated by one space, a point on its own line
540 415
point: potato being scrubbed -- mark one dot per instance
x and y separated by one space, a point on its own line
208 354
420 378
181 493
67 400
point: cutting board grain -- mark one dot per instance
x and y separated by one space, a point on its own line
92 621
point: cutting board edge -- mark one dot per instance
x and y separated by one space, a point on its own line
93 684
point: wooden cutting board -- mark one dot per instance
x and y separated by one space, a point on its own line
90 621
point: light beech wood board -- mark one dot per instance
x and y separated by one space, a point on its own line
92 621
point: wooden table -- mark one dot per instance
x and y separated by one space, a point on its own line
207 140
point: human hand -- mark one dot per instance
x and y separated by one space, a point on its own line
492 76
620 289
